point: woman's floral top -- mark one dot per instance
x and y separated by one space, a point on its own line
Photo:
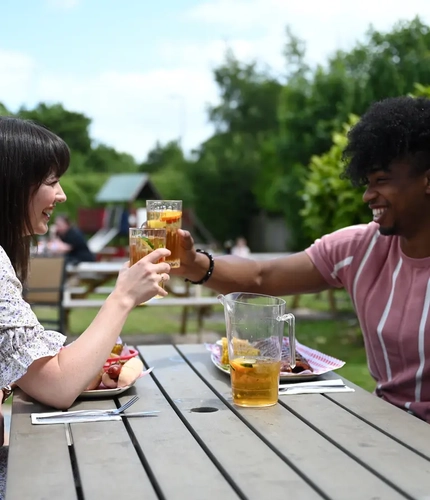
22 338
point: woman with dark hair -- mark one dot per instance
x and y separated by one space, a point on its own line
32 160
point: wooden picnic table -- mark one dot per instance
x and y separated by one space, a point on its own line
91 277
350 446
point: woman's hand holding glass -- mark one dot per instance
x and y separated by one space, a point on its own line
141 281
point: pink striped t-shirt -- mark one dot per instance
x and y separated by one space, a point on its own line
391 295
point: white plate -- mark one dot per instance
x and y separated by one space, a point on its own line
103 393
290 377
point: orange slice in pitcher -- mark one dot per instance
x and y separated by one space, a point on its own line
242 364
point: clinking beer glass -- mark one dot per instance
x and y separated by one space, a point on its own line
166 214
143 241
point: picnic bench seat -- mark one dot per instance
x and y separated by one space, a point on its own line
202 305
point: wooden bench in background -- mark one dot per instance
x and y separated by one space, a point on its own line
45 287
201 304
76 286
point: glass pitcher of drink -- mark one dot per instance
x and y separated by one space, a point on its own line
255 330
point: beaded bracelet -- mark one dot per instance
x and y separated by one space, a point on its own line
208 272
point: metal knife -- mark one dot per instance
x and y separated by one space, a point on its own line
99 413
297 387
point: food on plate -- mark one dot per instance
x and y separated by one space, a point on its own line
95 382
117 349
240 348
109 382
114 370
120 353
130 371
243 348
302 363
122 375
224 351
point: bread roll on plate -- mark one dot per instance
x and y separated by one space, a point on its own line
130 372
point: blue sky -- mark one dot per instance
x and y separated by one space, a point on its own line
142 69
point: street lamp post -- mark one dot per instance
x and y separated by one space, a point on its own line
182 115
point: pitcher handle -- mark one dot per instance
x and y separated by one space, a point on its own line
291 320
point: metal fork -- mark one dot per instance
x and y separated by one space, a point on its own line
115 411
125 406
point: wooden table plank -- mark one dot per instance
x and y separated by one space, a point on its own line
39 459
179 464
373 448
234 446
107 458
338 476
387 418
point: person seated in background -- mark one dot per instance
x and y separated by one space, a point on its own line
240 248
70 240
383 265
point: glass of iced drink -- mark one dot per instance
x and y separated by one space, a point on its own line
144 241
167 214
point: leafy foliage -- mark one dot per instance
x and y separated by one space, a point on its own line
331 202
69 125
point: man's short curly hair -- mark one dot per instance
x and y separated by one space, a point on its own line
393 129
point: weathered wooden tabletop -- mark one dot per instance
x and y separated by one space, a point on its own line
336 446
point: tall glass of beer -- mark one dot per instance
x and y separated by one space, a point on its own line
166 214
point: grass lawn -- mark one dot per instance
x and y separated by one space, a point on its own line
340 338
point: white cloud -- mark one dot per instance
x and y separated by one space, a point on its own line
63 4
17 72
325 26
131 111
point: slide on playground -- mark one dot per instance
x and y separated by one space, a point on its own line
101 239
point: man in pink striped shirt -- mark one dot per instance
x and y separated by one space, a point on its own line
384 265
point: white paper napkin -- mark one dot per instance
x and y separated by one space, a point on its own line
317 387
73 419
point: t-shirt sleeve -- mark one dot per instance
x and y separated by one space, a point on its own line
74 238
22 338
333 254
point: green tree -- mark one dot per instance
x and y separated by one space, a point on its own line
228 176
161 155
71 126
249 98
3 110
169 171
102 158
331 202
388 64
223 178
